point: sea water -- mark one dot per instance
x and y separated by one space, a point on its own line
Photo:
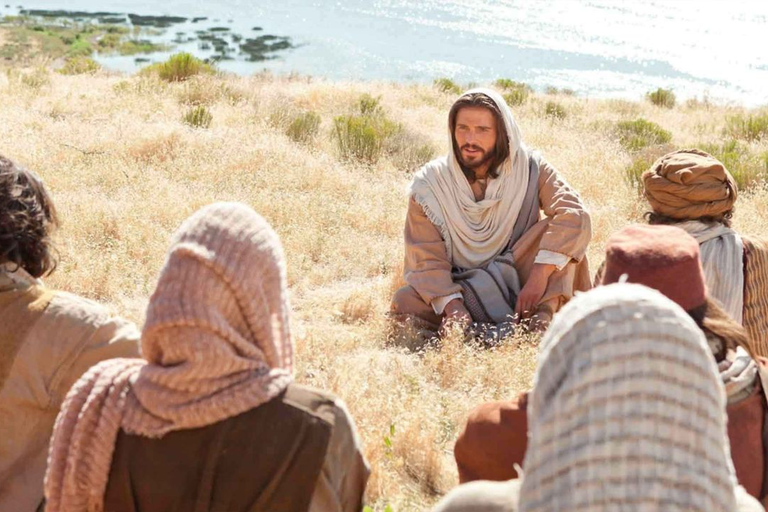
600 48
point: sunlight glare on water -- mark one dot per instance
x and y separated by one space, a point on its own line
607 48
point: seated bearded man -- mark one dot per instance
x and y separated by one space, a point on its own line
692 190
477 248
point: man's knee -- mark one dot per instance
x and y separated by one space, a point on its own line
406 301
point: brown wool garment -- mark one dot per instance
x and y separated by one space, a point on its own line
216 343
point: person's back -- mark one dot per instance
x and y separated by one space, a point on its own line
279 456
692 190
48 339
626 413
209 419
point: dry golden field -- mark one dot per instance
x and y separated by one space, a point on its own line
125 170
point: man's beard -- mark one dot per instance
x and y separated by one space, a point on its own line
486 157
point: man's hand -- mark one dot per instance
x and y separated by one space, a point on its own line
533 290
456 312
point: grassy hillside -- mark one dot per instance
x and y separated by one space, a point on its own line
128 158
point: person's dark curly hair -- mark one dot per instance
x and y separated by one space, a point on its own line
27 220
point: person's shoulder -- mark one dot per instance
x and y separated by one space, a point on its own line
68 306
434 166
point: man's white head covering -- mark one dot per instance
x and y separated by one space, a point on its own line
475 231
627 410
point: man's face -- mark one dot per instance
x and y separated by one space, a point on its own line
475 134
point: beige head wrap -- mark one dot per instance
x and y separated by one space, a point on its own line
475 231
216 343
689 184
627 410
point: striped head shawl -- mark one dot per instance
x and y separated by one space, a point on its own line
216 343
475 231
627 410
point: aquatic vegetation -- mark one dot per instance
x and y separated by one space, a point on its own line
63 33
662 97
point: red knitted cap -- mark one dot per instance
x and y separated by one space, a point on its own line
665 258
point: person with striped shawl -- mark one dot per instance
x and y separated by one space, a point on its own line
667 259
626 413
694 191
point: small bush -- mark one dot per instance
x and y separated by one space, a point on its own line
662 97
180 67
642 161
447 85
516 92
198 117
362 137
33 79
749 128
746 168
516 97
640 133
555 91
303 128
407 150
370 106
511 85
555 110
79 66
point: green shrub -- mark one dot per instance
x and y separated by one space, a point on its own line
32 79
447 85
180 67
511 85
642 161
746 168
516 93
516 97
408 151
750 128
555 91
662 97
555 110
361 137
640 133
370 106
79 66
303 127
198 117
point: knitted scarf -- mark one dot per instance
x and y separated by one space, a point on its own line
627 410
475 231
216 343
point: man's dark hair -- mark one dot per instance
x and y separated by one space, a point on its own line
723 218
500 152
718 325
27 220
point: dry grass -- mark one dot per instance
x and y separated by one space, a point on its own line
125 171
